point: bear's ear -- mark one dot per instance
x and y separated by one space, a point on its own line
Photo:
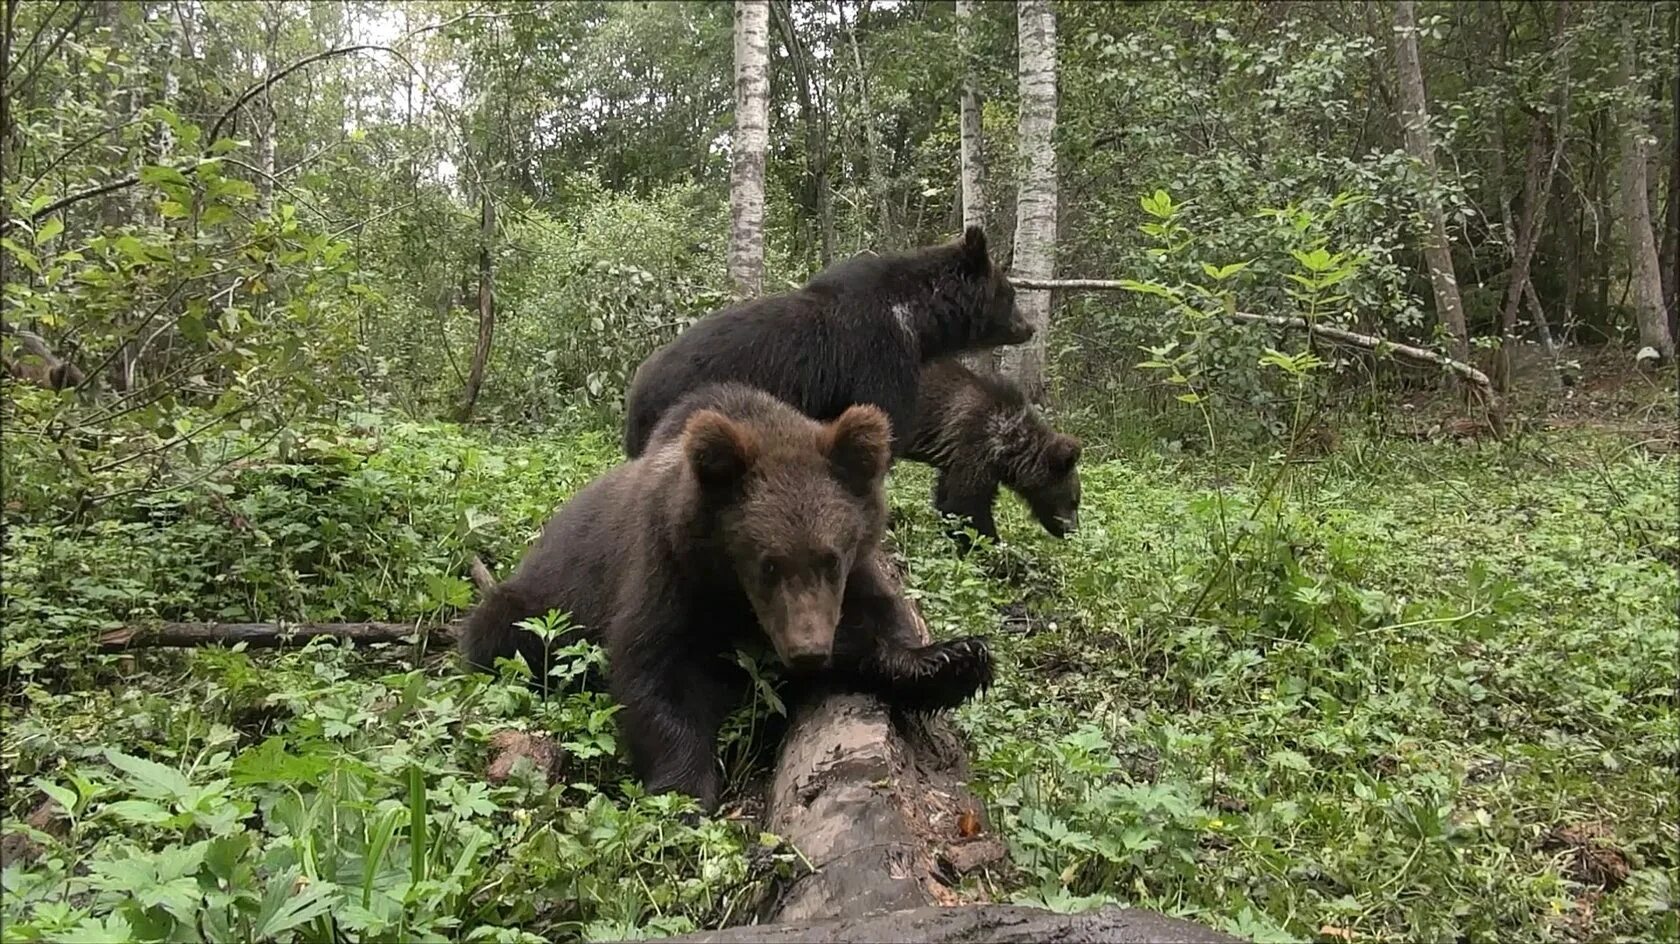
859 447
719 450
1063 454
975 256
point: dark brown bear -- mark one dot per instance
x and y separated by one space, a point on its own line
744 518
858 332
980 432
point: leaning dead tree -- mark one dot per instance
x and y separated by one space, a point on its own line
1411 353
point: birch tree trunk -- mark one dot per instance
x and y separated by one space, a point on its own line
1437 252
1636 211
746 168
972 172
486 304
1035 205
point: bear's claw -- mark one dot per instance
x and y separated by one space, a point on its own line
941 675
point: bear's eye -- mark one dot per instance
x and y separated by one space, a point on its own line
768 570
830 563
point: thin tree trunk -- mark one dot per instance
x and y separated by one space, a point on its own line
1603 319
1671 230
1649 315
114 207
1574 239
1437 251
1522 251
819 200
746 171
1035 204
973 159
1538 171
486 304
972 169
1540 322
872 141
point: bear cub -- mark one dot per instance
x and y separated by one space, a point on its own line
743 519
857 332
979 432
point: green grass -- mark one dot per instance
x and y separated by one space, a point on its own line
1420 692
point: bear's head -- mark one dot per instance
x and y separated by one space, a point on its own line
1050 485
992 318
794 503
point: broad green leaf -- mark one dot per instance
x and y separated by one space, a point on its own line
149 778
143 812
52 227
282 911
156 174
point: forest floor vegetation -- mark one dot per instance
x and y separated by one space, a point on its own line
1414 688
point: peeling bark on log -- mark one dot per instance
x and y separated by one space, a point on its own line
1004 924
264 635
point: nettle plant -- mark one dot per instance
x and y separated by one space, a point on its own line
1217 364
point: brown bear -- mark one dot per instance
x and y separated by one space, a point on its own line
857 332
979 431
744 518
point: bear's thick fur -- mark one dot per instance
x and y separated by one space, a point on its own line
858 332
744 518
980 431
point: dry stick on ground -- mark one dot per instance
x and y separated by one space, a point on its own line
264 635
1370 342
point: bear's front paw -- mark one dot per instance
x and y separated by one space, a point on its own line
944 674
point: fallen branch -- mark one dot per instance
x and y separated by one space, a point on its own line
999 924
265 635
1481 385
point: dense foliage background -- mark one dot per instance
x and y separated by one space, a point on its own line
340 294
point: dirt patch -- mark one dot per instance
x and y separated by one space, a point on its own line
1590 854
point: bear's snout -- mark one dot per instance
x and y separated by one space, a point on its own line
804 633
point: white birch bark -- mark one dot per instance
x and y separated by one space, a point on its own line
971 171
746 171
1035 204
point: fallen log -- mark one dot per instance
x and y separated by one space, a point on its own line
265 635
280 635
870 797
878 802
996 924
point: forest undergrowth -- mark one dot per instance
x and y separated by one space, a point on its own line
1403 690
